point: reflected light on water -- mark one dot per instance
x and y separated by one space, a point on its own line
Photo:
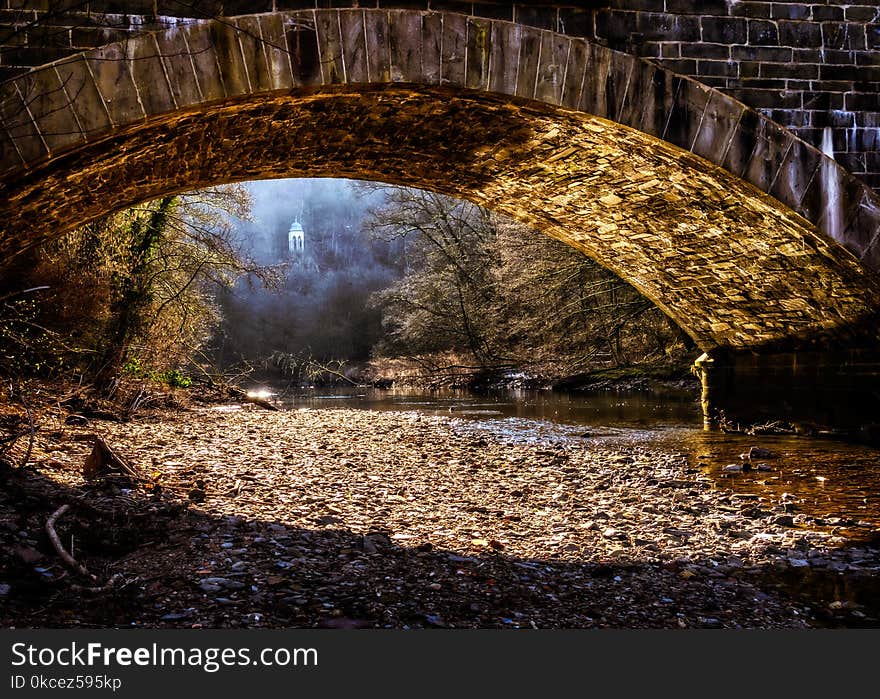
261 393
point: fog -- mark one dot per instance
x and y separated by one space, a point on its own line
328 272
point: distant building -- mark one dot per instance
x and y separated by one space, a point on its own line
296 240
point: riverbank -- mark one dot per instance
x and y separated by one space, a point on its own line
344 518
438 372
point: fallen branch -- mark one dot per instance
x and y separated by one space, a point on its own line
56 542
97 590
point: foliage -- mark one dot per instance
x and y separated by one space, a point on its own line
135 289
506 295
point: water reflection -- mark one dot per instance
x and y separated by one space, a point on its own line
671 407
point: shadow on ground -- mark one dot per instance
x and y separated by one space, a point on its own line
180 567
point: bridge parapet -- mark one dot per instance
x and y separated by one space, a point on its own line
812 67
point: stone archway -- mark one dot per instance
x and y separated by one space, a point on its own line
715 213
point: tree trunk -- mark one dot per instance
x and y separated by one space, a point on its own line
134 295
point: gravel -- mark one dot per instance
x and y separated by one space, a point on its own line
358 519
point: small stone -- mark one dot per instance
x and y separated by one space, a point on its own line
435 586
453 558
177 616
732 468
609 533
209 588
197 495
374 541
28 554
222 583
798 562
784 521
760 453
4 589
763 467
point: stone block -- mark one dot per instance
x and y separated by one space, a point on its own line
275 47
795 174
832 200
715 52
432 36
863 225
762 33
148 73
659 102
871 257
330 48
742 143
86 102
529 59
303 48
178 67
116 86
686 115
551 68
204 59
771 146
575 72
538 17
800 34
253 51
49 104
638 94
717 126
479 51
454 49
17 121
405 42
724 30
750 9
354 38
504 60
378 46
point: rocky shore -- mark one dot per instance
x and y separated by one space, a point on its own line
360 519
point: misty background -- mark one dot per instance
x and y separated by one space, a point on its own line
328 270
383 283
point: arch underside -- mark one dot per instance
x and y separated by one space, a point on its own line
728 263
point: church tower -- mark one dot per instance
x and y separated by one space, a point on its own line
296 240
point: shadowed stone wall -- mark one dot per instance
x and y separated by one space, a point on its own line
810 66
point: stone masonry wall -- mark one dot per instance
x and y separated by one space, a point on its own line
814 66
807 65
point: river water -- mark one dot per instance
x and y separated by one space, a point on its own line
829 479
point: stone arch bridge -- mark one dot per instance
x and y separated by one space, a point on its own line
759 246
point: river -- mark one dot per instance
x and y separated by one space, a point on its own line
830 479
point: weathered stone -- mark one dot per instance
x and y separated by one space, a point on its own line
476 116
